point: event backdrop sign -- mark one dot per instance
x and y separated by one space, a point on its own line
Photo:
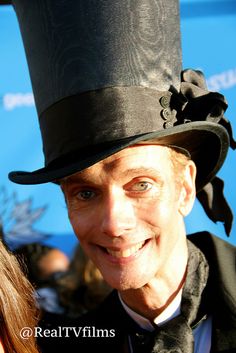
38 212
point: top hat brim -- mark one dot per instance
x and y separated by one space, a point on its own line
206 142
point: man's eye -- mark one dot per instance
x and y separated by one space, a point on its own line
85 195
141 186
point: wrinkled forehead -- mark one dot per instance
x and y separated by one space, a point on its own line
141 158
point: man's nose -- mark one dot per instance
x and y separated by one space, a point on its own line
119 214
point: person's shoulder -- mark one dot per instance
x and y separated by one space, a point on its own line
108 313
219 253
221 256
211 244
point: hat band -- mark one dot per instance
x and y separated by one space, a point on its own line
101 116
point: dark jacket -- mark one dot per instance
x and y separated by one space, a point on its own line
107 328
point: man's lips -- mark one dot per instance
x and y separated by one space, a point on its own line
124 253
127 252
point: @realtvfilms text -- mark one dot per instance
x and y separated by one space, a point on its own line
64 331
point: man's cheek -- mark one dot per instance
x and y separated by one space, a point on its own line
159 215
81 226
73 218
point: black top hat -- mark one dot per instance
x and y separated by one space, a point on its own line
107 75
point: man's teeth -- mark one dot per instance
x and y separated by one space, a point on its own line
126 252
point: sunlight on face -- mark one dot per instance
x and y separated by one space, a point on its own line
125 211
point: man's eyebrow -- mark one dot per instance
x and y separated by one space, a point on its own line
83 178
78 178
142 171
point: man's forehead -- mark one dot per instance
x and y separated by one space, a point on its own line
139 159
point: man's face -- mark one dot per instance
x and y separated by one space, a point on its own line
125 211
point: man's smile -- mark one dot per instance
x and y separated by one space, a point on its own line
126 252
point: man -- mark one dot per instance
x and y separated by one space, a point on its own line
129 138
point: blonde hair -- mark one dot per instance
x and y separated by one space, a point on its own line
179 162
17 305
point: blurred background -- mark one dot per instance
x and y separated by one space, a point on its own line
38 213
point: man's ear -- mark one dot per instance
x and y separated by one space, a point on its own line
188 189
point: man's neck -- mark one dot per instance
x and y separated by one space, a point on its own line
170 312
